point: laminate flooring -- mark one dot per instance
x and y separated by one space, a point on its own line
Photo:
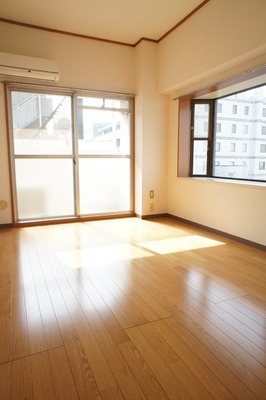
130 309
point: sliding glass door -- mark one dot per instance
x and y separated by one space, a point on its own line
71 155
104 155
43 155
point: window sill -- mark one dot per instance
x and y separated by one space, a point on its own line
229 181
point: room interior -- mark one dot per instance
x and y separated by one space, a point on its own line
199 53
212 290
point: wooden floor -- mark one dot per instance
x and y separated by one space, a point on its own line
130 309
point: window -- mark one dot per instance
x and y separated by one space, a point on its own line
263 148
244 147
229 156
219 108
264 112
63 169
233 128
232 147
201 137
262 165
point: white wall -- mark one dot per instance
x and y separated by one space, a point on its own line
90 64
5 193
85 64
151 133
224 36
235 208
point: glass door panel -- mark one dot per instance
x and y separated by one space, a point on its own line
44 188
61 171
104 147
104 185
42 124
103 132
43 155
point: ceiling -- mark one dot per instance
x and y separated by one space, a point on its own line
117 20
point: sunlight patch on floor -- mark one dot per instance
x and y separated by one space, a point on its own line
101 255
175 245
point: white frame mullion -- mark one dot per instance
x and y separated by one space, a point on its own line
75 156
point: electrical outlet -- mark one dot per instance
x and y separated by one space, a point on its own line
151 194
151 207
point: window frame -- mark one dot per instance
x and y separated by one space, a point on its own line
212 141
73 155
209 138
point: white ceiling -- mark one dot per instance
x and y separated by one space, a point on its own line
119 20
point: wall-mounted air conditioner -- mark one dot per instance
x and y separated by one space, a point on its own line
28 67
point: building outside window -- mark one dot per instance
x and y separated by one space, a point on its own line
243 113
219 108
233 147
218 127
263 148
234 109
244 147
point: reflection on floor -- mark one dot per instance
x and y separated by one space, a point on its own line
130 309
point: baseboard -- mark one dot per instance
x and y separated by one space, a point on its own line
218 232
6 226
152 216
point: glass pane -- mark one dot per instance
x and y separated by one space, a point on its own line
42 123
116 103
201 121
103 132
90 101
240 143
200 157
104 185
44 188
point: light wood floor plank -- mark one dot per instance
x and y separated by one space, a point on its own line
5 379
171 385
130 309
42 379
147 381
193 386
64 384
21 380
